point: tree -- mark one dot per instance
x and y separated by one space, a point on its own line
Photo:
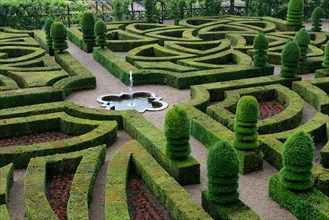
100 31
302 37
181 9
317 15
212 7
245 127
222 173
58 35
295 15
325 62
48 24
290 59
150 10
297 156
231 9
87 27
177 132
260 45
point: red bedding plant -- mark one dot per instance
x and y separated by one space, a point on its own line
141 201
269 108
34 138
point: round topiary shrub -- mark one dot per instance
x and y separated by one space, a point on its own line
177 132
100 31
295 14
325 62
297 156
87 27
245 127
58 35
48 24
302 37
260 45
317 14
290 59
222 173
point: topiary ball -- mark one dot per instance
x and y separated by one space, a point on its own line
222 173
177 124
58 31
100 27
247 109
260 42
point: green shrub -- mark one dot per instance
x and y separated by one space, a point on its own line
48 24
222 173
290 59
150 10
212 7
177 132
181 9
317 14
87 27
245 127
58 35
297 156
325 62
260 45
295 15
100 32
302 37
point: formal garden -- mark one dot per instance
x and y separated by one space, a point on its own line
245 135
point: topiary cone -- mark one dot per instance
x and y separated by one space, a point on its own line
302 37
245 127
58 35
48 24
87 27
260 46
297 156
100 32
222 173
290 59
295 14
177 132
325 62
317 14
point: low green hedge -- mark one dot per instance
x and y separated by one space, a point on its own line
186 171
4 212
177 201
260 26
143 28
289 118
6 182
91 133
324 152
88 164
310 204
321 73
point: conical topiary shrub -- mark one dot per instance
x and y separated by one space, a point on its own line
87 27
297 155
317 14
325 62
290 59
177 132
48 24
222 173
245 127
302 37
100 32
295 14
58 35
260 45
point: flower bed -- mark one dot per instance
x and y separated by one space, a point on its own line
142 204
269 108
35 138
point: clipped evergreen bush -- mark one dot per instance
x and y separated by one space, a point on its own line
100 32
260 46
222 173
302 37
325 62
245 127
317 14
150 10
177 132
58 35
290 59
295 14
297 155
48 24
87 27
181 9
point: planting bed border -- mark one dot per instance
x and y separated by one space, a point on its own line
6 182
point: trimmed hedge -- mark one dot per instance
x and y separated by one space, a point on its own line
4 212
166 189
325 62
35 202
6 182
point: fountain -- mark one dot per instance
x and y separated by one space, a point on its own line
140 100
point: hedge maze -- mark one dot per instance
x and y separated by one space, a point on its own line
62 146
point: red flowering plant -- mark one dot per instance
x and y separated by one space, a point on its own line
35 138
142 203
269 108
